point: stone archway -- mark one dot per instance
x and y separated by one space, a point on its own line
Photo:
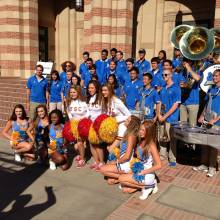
154 20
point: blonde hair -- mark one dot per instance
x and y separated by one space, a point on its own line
106 102
80 97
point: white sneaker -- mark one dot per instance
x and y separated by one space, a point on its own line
201 168
18 157
211 172
155 190
145 193
52 165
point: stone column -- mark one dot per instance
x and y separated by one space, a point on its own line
18 37
108 24
217 14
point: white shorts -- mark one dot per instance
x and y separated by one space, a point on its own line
121 130
125 167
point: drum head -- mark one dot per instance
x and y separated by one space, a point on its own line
195 130
180 124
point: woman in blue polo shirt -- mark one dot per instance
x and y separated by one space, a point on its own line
55 91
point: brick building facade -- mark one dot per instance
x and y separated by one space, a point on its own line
59 30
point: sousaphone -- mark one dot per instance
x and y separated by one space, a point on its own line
197 43
216 33
177 34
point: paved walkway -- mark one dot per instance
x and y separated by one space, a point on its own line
30 192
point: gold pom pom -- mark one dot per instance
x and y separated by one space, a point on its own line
134 160
74 128
116 152
108 130
93 137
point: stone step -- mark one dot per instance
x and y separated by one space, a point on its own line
10 104
12 85
18 94
17 98
21 90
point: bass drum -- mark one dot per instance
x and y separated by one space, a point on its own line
207 79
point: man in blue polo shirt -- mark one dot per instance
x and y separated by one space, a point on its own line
66 85
132 90
156 73
211 116
83 66
121 67
142 64
37 91
190 93
170 100
102 67
149 99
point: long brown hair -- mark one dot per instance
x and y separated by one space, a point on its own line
133 127
150 136
36 117
79 93
106 102
97 92
23 116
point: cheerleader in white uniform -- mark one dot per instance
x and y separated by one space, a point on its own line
148 155
94 107
121 164
77 109
113 106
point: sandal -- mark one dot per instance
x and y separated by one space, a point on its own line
81 164
77 158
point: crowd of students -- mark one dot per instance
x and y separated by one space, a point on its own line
142 96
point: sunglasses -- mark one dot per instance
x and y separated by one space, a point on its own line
165 74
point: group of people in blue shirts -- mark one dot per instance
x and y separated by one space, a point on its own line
162 90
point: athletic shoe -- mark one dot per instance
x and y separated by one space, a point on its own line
211 172
52 165
145 193
172 164
18 157
93 166
201 168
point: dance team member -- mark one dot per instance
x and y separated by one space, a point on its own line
56 148
148 155
121 164
77 109
113 106
19 140
94 108
39 133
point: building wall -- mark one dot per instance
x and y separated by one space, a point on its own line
18 37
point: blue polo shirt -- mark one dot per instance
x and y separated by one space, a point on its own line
177 62
55 91
121 70
63 76
151 97
132 93
86 77
169 96
38 89
82 68
143 67
66 87
118 92
101 70
215 106
192 95
157 75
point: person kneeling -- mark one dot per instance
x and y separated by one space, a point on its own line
56 149
119 157
147 162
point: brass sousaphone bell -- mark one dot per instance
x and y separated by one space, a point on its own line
177 34
216 33
197 43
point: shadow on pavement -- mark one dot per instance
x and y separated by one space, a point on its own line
13 182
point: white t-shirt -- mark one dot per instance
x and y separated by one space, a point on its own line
77 110
94 109
118 110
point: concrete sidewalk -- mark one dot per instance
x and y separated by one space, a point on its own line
31 192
